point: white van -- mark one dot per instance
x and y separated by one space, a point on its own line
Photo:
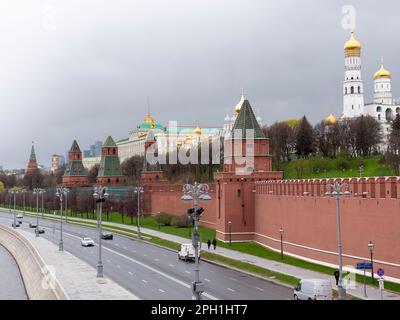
187 252
313 289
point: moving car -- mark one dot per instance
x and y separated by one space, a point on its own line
87 242
107 236
20 216
16 225
39 230
313 289
186 252
32 225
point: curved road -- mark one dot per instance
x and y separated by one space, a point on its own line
151 272
12 287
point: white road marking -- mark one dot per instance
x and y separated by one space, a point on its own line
171 265
145 281
259 289
145 255
156 259
118 266
233 279
130 273
188 272
124 247
230 289
108 261
205 279
161 290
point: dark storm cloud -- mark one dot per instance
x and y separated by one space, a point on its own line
88 72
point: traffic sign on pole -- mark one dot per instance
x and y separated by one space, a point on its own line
364 266
380 272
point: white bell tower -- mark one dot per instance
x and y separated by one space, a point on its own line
353 86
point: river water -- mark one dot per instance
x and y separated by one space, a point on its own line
11 284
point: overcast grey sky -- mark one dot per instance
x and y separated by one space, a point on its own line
85 68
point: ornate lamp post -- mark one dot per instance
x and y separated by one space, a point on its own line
138 191
38 191
23 191
60 192
66 204
14 193
230 232
100 195
371 252
195 192
281 231
337 192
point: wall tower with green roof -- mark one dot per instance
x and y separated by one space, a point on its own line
32 163
247 159
75 174
110 172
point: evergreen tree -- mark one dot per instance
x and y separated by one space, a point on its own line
305 139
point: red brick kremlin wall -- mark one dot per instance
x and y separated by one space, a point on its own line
308 217
309 220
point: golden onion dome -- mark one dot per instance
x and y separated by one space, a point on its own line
330 120
197 131
148 119
239 105
382 73
352 47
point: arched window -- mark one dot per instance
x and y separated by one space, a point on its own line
378 109
359 89
352 90
352 107
389 114
379 117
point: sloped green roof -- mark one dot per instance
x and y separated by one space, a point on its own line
110 166
75 168
109 143
75 147
246 120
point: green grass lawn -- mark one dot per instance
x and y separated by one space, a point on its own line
338 168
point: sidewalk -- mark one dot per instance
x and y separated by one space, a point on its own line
76 277
373 293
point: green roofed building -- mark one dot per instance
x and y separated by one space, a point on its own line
75 174
110 173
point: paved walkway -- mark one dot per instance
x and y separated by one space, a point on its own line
76 277
357 291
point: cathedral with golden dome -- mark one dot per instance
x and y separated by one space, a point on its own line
383 108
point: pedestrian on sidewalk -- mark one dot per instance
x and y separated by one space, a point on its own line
209 244
215 244
336 274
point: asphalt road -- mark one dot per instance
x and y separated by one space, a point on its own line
151 272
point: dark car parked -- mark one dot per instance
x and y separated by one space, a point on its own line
39 230
32 225
16 225
107 236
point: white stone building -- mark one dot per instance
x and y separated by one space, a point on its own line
383 107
